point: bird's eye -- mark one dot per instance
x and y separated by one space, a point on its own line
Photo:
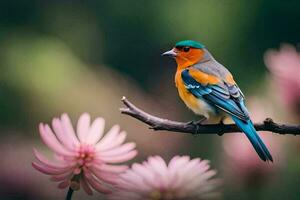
186 49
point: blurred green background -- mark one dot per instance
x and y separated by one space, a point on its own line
83 56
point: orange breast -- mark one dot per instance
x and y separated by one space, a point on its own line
198 106
185 95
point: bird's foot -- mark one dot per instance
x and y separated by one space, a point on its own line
197 123
221 123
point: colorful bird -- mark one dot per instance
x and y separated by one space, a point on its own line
208 89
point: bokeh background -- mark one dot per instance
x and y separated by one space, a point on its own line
83 56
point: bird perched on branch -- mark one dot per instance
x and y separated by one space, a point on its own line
208 89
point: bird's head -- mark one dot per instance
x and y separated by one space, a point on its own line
186 53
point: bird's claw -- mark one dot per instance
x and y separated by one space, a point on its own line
196 123
221 123
192 123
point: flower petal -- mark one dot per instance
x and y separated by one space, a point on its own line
96 131
83 125
177 162
111 168
62 137
62 177
44 160
48 170
118 141
69 130
110 136
86 187
92 181
64 184
148 176
51 141
201 180
119 150
158 164
121 158
106 177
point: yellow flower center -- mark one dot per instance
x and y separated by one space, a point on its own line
85 156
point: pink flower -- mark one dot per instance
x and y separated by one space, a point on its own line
85 159
285 68
181 179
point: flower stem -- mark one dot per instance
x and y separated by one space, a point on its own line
69 194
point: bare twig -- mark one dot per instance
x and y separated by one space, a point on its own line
157 123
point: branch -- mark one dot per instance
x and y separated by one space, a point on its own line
157 123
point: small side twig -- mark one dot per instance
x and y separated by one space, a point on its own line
157 123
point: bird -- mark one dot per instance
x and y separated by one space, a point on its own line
209 90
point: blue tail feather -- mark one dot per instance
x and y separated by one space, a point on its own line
259 146
268 154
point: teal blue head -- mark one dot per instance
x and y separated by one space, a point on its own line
186 53
189 43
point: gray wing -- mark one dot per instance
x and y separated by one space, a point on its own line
212 67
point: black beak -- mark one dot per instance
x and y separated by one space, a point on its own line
170 53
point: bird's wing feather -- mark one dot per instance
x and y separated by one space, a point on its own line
213 68
226 95
220 94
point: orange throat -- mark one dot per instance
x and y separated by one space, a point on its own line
186 59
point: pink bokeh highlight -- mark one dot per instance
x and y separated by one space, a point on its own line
242 163
284 65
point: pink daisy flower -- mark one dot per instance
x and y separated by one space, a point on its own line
182 178
84 159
